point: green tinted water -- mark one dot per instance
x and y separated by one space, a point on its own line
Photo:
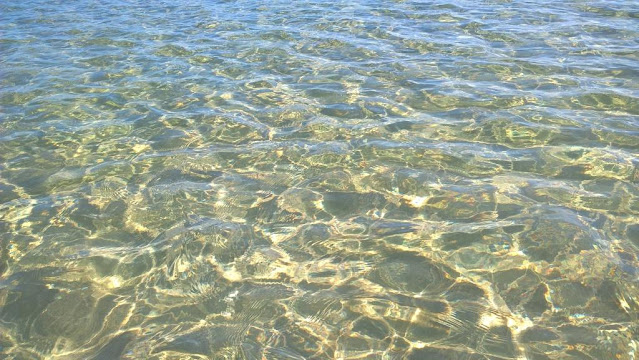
288 180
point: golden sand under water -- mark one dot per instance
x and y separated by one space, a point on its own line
319 180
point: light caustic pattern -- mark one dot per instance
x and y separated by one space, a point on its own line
319 179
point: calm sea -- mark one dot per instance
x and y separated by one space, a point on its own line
319 179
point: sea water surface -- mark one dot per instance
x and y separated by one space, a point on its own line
319 179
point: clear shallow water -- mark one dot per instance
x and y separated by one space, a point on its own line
287 180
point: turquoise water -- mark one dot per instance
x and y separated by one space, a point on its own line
319 180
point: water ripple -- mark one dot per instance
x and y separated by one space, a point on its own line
338 179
